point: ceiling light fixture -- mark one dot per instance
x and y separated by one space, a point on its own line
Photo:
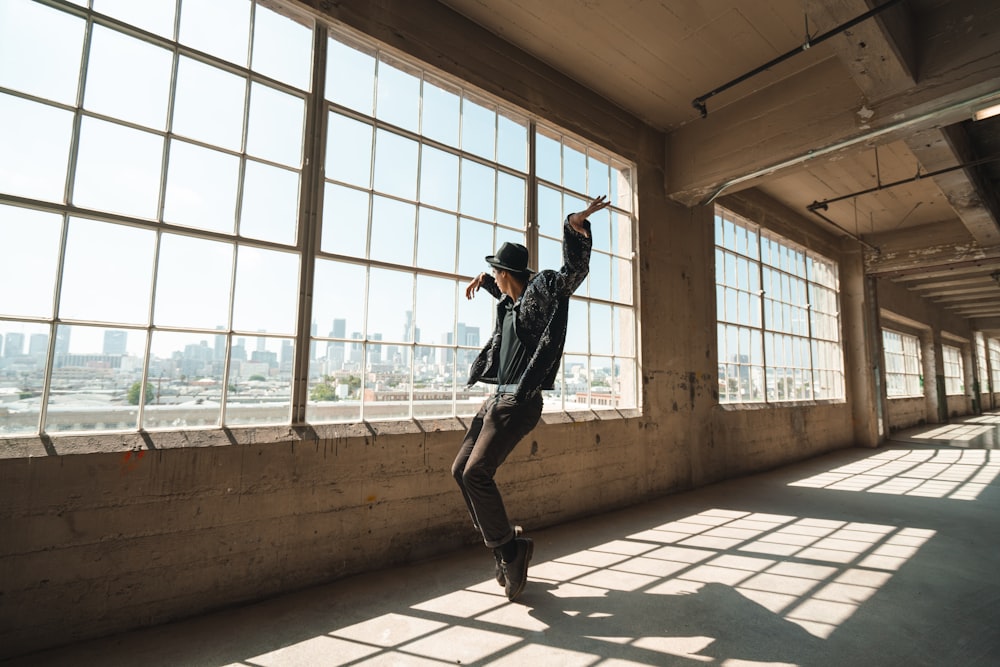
987 112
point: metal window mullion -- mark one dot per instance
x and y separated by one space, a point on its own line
309 223
763 313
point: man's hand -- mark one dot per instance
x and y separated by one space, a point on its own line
474 285
576 219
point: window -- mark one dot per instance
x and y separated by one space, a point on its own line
981 352
903 376
993 345
954 378
169 226
778 317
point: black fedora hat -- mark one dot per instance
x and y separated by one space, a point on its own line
511 257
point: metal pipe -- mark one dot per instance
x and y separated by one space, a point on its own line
699 102
823 204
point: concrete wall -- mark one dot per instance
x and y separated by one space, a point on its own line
906 412
102 534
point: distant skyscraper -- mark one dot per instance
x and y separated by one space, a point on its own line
335 350
13 345
62 339
38 345
115 342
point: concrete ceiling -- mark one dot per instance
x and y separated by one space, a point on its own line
875 121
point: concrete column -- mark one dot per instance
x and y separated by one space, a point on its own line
937 404
862 361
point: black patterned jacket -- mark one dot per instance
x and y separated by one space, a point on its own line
541 316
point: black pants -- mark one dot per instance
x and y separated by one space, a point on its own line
498 426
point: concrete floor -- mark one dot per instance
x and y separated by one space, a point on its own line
861 557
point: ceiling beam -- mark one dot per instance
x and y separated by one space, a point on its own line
818 113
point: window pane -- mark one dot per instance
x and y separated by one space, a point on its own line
97 380
395 165
439 178
275 126
350 75
34 149
548 156
349 150
621 280
29 246
334 396
479 128
475 243
600 276
156 16
433 382
598 176
185 374
512 142
259 392
624 332
434 316
436 240
577 333
108 272
441 112
339 303
398 95
118 169
574 166
387 393
282 47
51 40
576 379
600 329
393 224
270 203
511 205
345 221
267 284
200 21
208 104
192 283
23 359
390 305
201 188
116 58
478 194
550 216
622 185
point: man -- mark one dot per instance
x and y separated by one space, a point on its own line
521 359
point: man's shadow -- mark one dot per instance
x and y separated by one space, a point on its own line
714 621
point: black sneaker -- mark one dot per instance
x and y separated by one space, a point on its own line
516 572
501 578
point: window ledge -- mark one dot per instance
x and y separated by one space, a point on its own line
29 446
737 407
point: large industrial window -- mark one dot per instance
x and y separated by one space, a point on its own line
993 345
271 223
954 377
903 377
778 317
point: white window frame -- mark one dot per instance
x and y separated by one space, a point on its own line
903 364
778 317
611 373
954 371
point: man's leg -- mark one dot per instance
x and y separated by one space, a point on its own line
504 424
462 458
